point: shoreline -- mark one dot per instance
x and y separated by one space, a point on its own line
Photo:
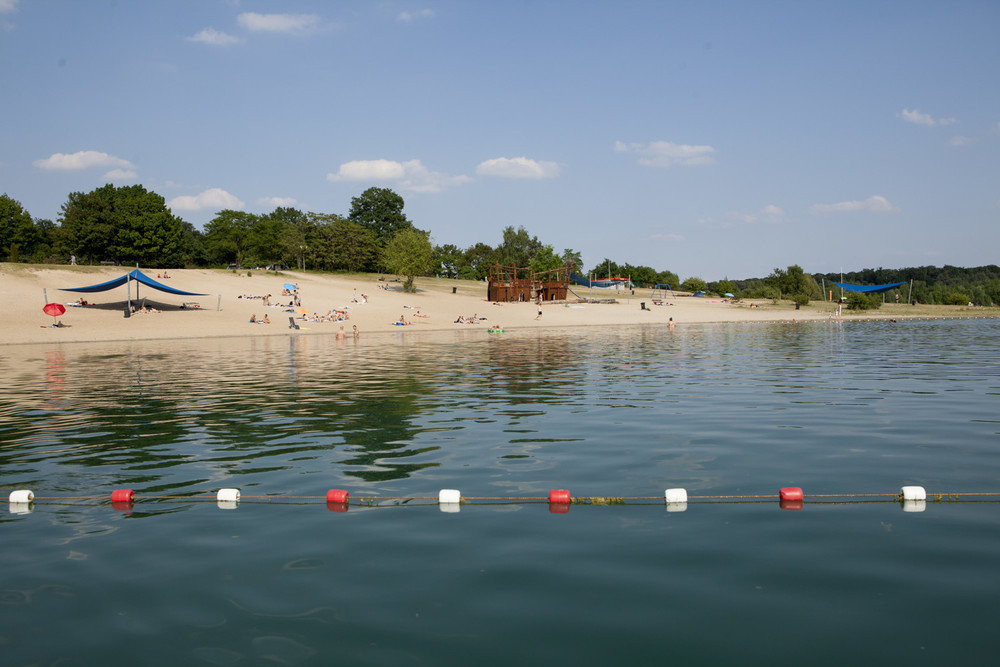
224 313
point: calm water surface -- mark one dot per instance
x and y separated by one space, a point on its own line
716 409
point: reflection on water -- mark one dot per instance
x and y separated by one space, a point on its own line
275 413
853 408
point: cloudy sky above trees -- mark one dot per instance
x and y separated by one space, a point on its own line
716 139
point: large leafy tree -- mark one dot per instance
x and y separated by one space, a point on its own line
476 261
409 253
128 224
355 248
518 247
447 260
18 234
381 211
228 236
545 260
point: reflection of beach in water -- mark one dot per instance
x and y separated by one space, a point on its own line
607 411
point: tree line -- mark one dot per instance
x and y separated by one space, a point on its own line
132 225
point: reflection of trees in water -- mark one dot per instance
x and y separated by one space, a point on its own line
241 407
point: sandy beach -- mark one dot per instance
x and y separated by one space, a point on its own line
226 310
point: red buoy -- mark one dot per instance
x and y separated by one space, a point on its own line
122 496
791 493
337 496
559 496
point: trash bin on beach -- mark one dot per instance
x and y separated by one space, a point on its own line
642 305
454 290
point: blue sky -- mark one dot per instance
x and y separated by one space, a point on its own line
713 139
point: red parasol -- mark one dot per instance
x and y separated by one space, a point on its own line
54 309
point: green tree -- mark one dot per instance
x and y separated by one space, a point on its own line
447 260
409 253
724 287
128 224
228 236
693 284
18 234
574 258
381 211
87 224
545 260
355 248
476 261
518 247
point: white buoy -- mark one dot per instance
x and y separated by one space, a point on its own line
22 496
914 505
913 493
676 495
450 497
228 495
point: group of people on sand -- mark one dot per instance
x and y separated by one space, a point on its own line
264 320
472 319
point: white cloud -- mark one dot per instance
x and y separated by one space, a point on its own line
960 141
411 175
918 118
215 37
665 153
368 170
275 202
120 175
81 160
287 23
518 167
213 198
770 214
8 6
412 16
874 204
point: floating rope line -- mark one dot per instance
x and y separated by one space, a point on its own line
914 498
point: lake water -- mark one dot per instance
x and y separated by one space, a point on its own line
733 409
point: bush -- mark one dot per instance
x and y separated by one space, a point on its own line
863 301
801 299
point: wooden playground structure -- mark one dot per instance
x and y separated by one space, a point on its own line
510 283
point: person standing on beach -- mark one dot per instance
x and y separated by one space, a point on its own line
539 316
671 325
357 334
